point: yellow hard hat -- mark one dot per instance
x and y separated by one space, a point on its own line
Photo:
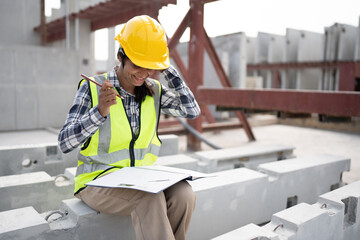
144 42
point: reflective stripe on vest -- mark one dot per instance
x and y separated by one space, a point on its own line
114 144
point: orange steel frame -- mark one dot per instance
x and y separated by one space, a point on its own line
199 41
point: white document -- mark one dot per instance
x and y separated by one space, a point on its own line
151 179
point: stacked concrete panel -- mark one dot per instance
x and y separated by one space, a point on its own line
18 20
334 216
36 88
247 156
227 201
357 45
33 158
269 50
302 46
38 189
26 158
341 44
310 49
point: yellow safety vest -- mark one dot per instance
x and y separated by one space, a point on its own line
114 145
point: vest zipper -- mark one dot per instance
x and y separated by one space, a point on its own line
131 149
133 138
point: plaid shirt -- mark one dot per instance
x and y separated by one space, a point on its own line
83 121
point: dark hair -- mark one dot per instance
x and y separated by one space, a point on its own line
140 91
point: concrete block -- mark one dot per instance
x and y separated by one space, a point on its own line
37 189
178 161
347 201
247 156
250 231
333 216
33 158
224 202
82 222
23 223
293 179
311 49
305 221
170 144
229 200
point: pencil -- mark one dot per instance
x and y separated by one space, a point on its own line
87 78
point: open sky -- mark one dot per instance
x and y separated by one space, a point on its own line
253 16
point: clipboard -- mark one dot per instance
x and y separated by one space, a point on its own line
153 179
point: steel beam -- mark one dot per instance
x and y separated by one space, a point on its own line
344 103
348 70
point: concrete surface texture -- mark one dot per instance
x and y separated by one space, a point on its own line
227 195
334 216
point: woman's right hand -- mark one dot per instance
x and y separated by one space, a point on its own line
107 98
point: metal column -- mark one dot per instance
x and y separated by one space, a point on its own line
196 61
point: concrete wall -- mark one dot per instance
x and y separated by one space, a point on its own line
18 19
37 86
310 49
269 49
341 44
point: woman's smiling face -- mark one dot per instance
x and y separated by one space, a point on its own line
131 75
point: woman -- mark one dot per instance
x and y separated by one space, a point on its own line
117 133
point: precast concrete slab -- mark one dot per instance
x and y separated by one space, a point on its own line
22 223
345 200
249 232
341 44
269 49
227 201
170 144
35 157
357 45
333 216
288 77
310 49
247 156
46 156
178 161
38 189
293 179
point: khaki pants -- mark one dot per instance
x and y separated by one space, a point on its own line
161 216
